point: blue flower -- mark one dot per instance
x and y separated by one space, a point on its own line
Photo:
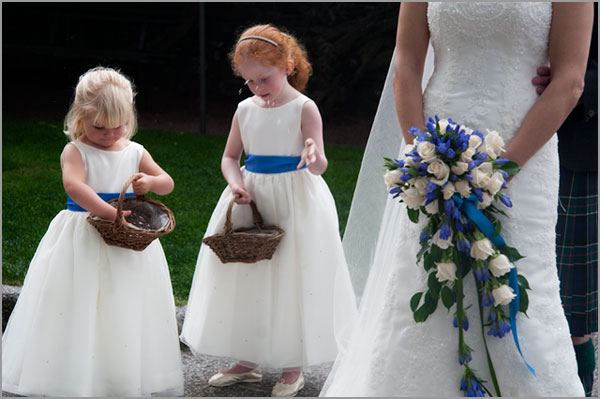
503 173
396 191
468 177
398 163
475 390
482 156
482 274
466 357
505 200
445 231
477 133
501 161
442 147
453 177
405 177
414 131
486 299
423 236
466 327
450 153
464 245
455 323
431 127
478 193
499 328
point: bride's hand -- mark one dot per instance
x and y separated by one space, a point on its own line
542 79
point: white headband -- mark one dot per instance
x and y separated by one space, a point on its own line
264 39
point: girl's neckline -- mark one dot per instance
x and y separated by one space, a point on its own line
279 106
100 149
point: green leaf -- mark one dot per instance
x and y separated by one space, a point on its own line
436 253
511 253
511 168
447 297
523 281
421 314
412 171
429 262
431 301
414 301
498 227
433 284
413 215
523 300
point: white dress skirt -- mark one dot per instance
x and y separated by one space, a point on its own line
93 319
286 311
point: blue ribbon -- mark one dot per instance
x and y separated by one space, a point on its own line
469 207
74 206
271 163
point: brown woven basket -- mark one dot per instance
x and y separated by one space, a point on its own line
140 231
245 245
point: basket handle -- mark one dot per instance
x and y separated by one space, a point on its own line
119 217
256 216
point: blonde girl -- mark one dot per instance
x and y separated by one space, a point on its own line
281 313
94 319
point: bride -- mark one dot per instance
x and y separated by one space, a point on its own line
485 56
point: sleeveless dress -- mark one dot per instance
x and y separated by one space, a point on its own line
94 319
485 57
279 312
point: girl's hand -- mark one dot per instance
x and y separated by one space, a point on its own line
142 183
309 155
243 196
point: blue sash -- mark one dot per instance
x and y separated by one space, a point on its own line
271 163
73 206
469 207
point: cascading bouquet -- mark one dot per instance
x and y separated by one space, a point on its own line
454 176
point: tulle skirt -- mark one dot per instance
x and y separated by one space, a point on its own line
92 319
283 312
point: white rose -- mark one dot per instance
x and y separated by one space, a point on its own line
443 123
392 178
412 198
426 151
444 244
500 265
463 188
481 249
432 207
503 295
448 190
459 168
421 185
480 179
467 155
440 170
486 167
467 130
495 183
410 163
446 271
474 141
487 200
493 144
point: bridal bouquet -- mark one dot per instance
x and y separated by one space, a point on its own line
454 177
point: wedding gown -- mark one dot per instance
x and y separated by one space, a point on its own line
485 57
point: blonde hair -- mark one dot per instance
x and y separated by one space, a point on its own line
107 96
288 48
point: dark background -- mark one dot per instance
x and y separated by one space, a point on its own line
47 46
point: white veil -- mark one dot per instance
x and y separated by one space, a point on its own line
370 194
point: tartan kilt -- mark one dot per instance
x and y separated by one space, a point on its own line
577 249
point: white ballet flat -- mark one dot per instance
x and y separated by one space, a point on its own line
224 379
282 389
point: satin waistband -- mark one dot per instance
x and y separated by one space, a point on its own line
73 206
271 163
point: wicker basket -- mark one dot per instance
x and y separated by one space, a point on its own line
245 245
149 219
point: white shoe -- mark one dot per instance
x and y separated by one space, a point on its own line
222 379
283 389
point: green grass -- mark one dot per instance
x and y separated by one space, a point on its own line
32 192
